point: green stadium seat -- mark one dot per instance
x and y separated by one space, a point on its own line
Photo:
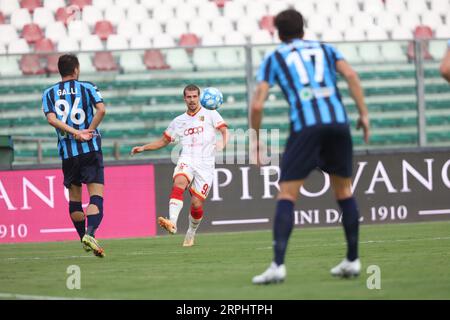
112 134
438 136
25 153
403 138
438 120
153 99
442 104
6 122
50 153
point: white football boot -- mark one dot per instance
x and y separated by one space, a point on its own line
189 239
274 274
347 269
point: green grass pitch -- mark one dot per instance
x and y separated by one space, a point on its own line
414 260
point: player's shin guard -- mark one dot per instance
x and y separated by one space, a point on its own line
350 220
195 218
175 204
94 220
80 225
284 221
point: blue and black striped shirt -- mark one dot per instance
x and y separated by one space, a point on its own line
73 102
306 73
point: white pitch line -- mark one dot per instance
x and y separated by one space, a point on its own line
331 244
243 221
45 258
361 242
60 230
4 295
430 212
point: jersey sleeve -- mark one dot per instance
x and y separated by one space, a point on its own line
96 96
171 132
47 104
335 52
266 71
217 120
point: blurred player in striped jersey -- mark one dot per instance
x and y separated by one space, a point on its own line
196 132
319 134
69 107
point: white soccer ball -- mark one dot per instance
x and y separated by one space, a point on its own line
211 98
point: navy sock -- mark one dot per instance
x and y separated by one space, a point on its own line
93 223
95 219
80 226
350 220
284 221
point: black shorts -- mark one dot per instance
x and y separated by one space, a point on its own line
84 168
328 147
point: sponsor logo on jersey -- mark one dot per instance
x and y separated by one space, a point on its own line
191 131
310 93
182 165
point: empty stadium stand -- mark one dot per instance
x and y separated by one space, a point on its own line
141 54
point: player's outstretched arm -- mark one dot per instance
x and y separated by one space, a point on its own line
357 94
155 145
256 114
257 105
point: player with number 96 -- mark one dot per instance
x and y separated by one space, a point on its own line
75 109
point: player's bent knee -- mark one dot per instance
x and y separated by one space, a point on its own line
342 194
181 181
197 205
98 202
342 191
75 206
289 190
197 202
287 196
183 185
76 211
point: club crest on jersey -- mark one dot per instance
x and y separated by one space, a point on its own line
201 118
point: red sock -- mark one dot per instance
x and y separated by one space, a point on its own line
177 193
196 213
